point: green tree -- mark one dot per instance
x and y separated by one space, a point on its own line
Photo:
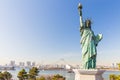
22 75
112 77
1 76
58 77
118 66
118 77
41 78
7 75
33 72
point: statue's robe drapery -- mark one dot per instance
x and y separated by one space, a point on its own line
88 43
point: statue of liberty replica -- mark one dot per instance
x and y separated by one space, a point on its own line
88 42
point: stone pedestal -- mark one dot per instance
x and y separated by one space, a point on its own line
88 74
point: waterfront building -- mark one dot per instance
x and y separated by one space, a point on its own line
28 64
12 63
21 64
33 64
67 66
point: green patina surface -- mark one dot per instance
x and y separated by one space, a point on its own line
89 43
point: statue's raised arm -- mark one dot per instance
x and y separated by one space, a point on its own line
81 19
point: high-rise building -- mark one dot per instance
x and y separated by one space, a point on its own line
33 64
12 63
21 64
28 63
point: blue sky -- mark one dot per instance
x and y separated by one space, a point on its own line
46 31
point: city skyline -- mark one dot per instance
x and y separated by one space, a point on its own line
13 63
47 31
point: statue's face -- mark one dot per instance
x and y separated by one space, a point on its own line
88 23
